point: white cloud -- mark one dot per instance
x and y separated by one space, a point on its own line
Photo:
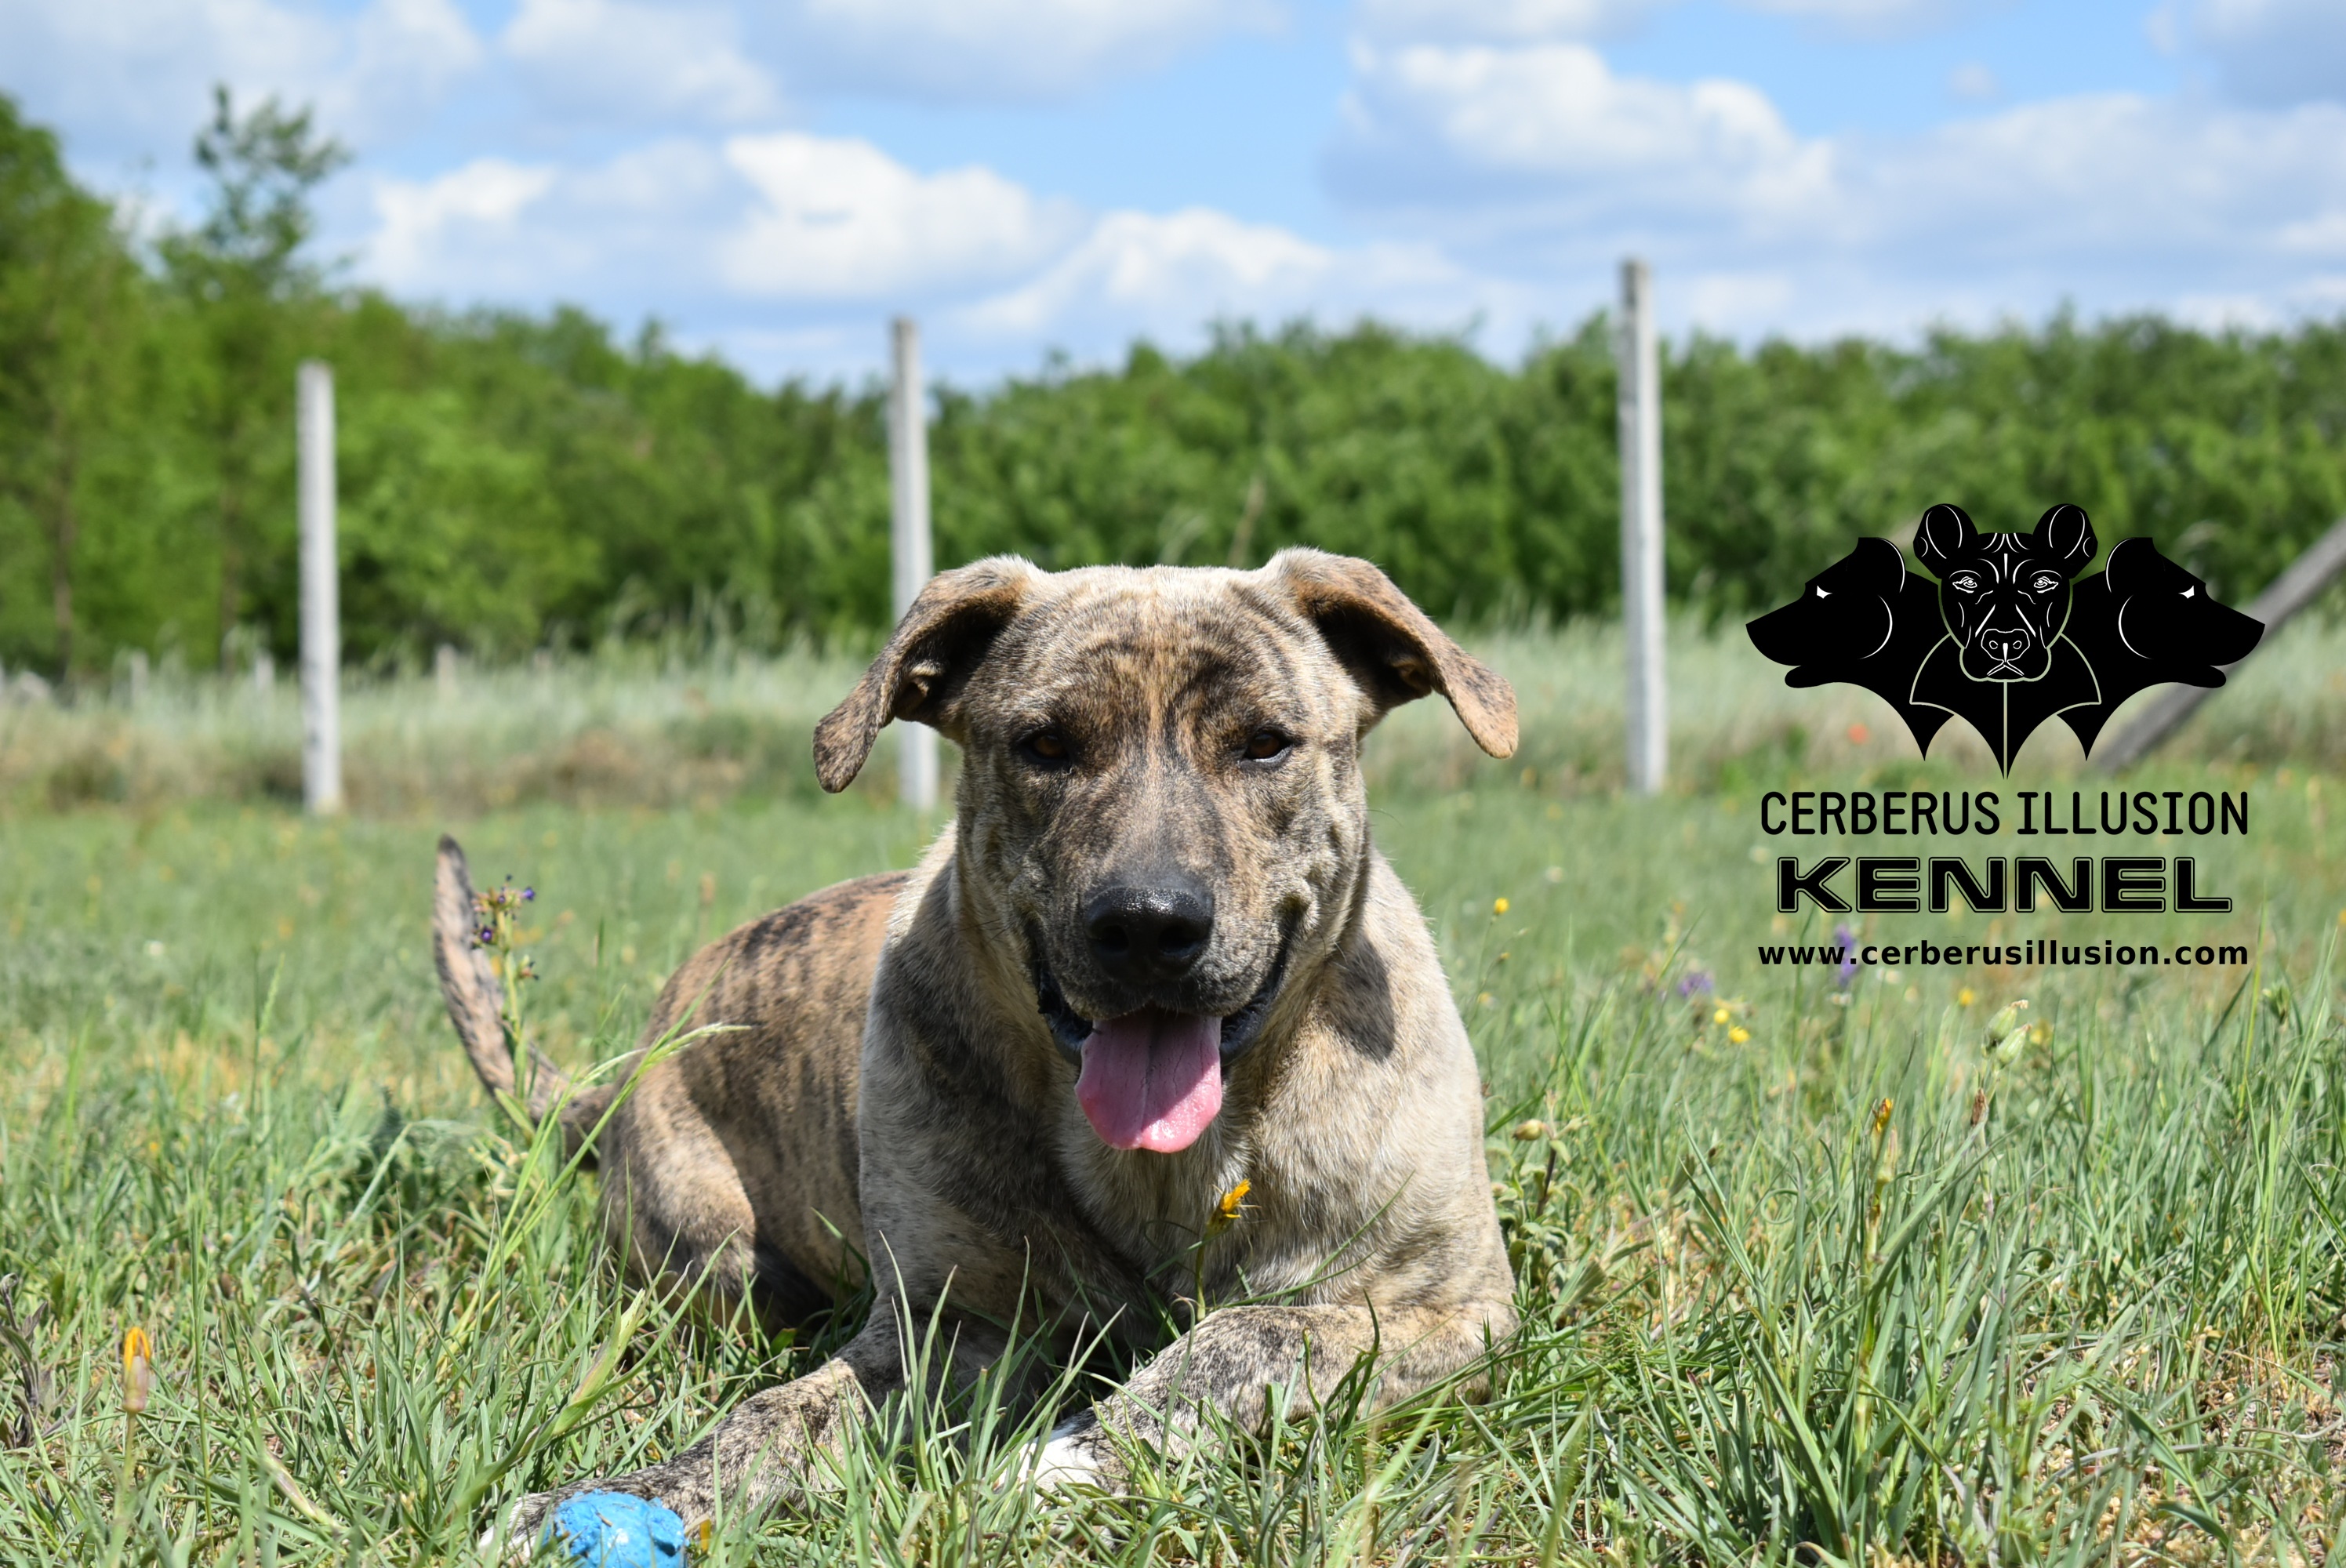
1540 160
128 77
1582 21
1868 19
412 53
997 50
1168 276
130 80
839 219
2274 52
1549 131
789 249
636 230
1973 83
1183 266
1734 297
2324 235
1500 21
640 64
419 221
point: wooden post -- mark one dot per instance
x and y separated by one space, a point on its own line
908 475
2295 588
1641 529
322 615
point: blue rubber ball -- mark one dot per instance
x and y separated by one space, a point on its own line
612 1530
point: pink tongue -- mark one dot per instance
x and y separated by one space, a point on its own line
1152 1080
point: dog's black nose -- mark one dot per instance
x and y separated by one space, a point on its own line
1153 933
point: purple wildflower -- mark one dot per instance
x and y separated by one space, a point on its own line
527 894
1846 939
1697 982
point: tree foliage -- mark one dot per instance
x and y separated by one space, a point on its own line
510 479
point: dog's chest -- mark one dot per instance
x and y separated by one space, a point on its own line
1224 1216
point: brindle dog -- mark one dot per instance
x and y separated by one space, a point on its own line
1155 956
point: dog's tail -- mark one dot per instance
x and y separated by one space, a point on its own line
476 999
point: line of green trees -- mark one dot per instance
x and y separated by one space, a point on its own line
509 480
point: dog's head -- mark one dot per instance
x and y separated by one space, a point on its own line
2004 596
2164 614
1160 807
1846 614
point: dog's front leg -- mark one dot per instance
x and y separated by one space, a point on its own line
767 1453
1228 1363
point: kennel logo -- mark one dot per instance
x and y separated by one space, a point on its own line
2012 634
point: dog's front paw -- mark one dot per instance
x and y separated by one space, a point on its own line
1076 1455
515 1538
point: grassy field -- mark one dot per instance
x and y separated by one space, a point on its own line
1807 1274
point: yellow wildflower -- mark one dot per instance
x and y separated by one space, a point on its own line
1227 1211
138 1370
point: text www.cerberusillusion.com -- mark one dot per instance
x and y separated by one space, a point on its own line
2041 952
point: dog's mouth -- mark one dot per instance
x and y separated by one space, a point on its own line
1152 1078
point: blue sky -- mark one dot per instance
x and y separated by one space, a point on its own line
774 180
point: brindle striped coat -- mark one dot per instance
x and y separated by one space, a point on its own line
899 1073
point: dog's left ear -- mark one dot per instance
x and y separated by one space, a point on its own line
2066 531
927 662
1390 646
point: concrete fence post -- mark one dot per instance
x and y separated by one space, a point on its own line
908 475
1641 530
322 614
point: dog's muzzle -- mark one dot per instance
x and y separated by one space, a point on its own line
1152 1078
1069 1029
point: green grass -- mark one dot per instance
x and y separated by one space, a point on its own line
2083 1305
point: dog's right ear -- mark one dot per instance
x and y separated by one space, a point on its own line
1945 534
927 662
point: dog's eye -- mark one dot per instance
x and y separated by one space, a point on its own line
2046 583
1266 745
2190 591
1964 583
1824 593
1048 747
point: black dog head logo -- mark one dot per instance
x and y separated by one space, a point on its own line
2004 596
2144 620
2012 634
1865 619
